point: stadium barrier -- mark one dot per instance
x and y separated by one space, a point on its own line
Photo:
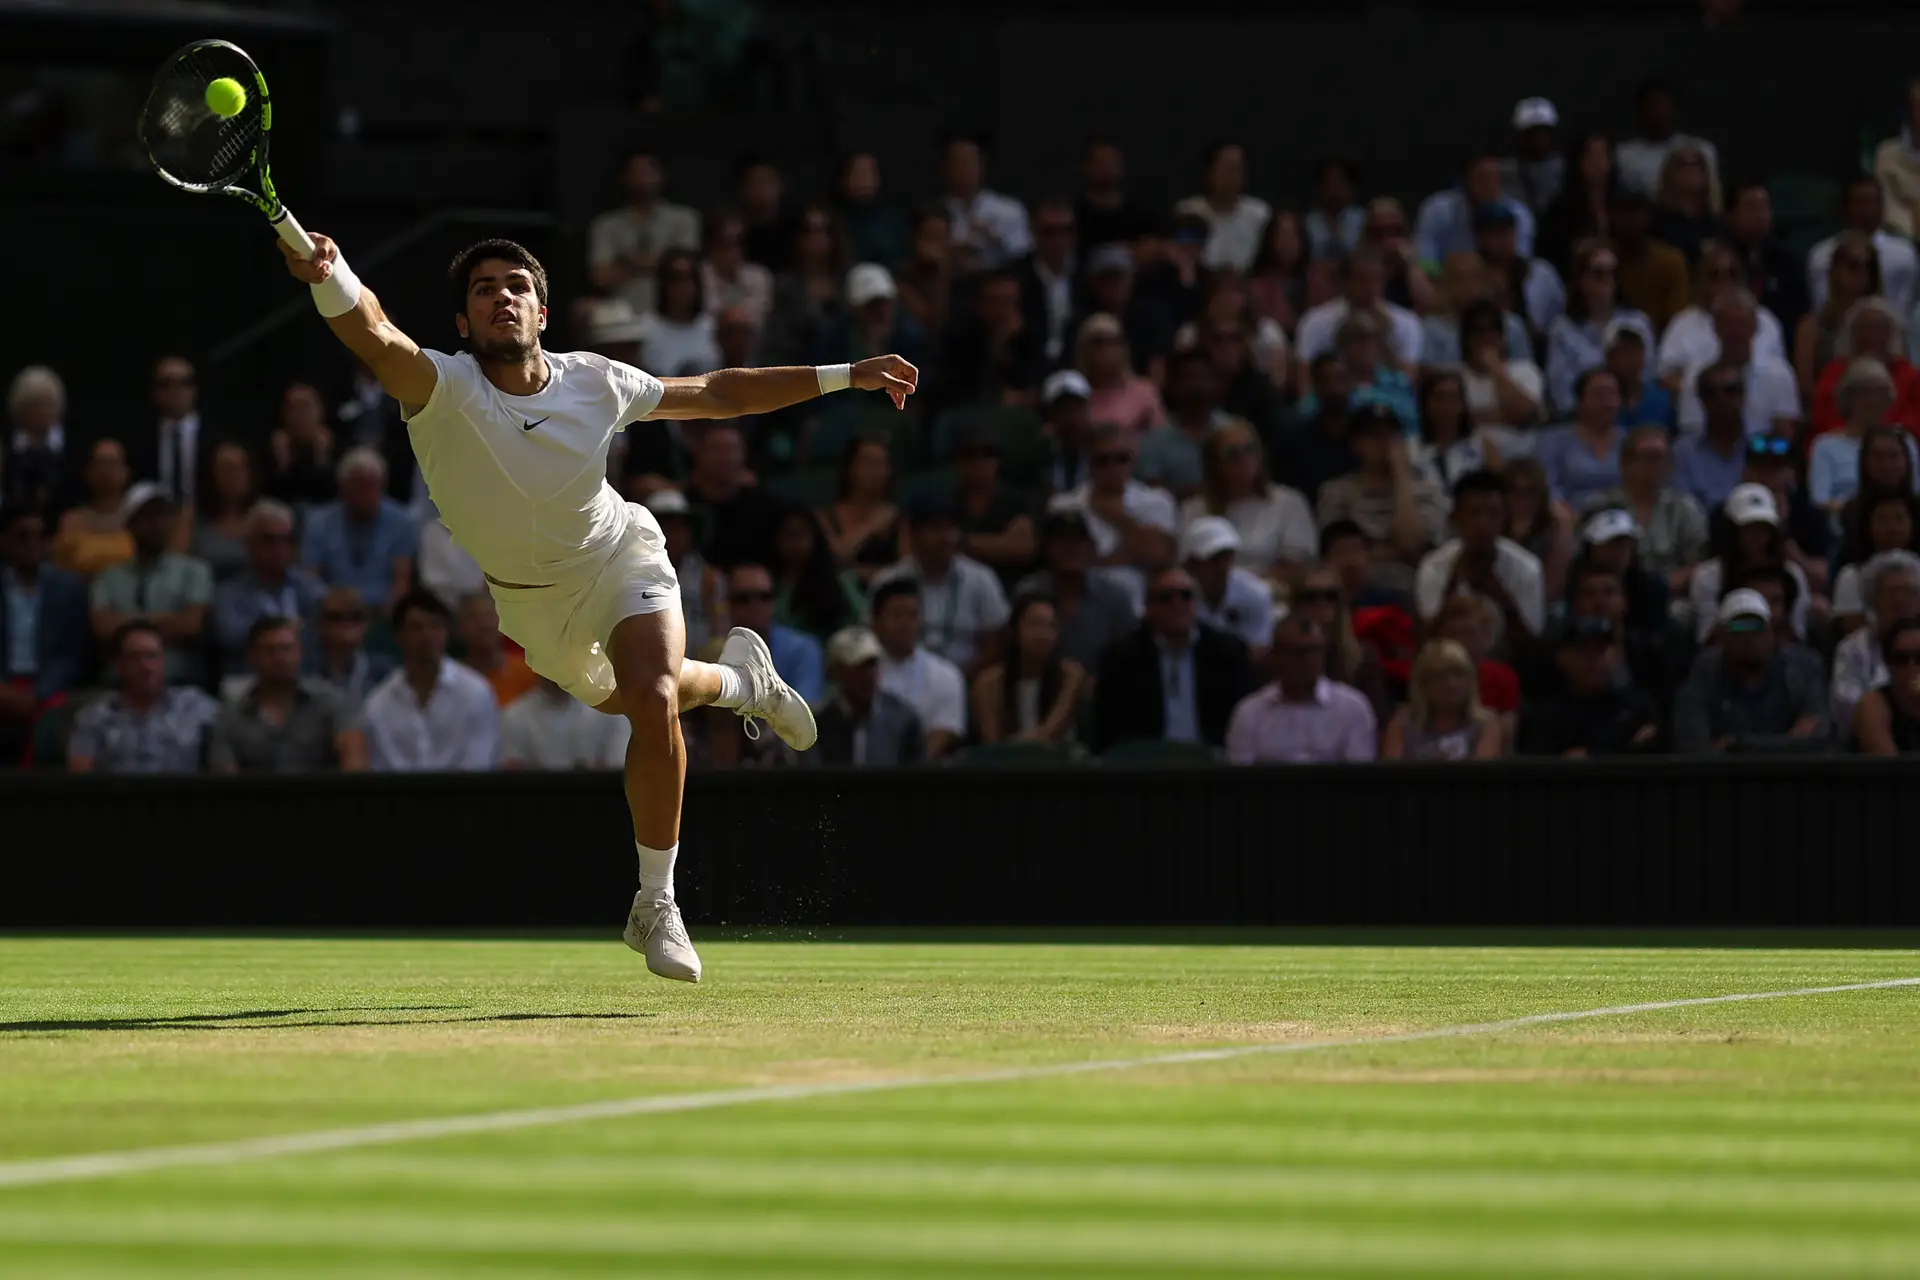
1653 843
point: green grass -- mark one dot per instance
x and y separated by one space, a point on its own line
1774 1138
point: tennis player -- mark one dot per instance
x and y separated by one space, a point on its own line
512 440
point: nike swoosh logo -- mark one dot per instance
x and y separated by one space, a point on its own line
651 595
528 426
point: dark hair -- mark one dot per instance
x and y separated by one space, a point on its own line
1340 531
420 600
1094 141
1213 149
1263 258
1586 376
1856 544
668 261
460 270
948 137
752 160
1718 366
631 154
713 220
117 642
1326 164
839 254
206 500
1650 86
1583 255
1574 195
1183 358
892 589
1476 156
1480 312
1853 181
1741 186
1480 481
1725 539
815 600
1789 585
267 623
1431 382
852 451
1584 567
1049 674
1321 363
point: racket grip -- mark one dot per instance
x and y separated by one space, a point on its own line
293 233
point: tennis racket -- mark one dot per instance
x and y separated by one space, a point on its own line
196 150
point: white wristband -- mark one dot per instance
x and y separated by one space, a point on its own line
339 293
833 377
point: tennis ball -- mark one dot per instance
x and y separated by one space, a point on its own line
225 97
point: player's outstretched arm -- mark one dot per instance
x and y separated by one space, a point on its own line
355 317
738 393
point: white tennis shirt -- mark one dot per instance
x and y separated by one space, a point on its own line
521 481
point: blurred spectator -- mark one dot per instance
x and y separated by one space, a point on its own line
727 279
1771 396
872 323
926 682
1606 582
1118 395
1672 524
926 275
1363 278
1090 609
1447 219
1853 271
1896 163
1577 341
1888 522
1653 274
1536 172
1595 711
1469 622
1170 453
1145 323
269 586
737 334
1279 276
1809 531
1273 523
43 629
1048 278
1687 201
1132 523
1640 157
1463 282
1104 211
1249 353
551 729
736 513
1581 209
283 723
302 446
432 714
1402 513
876 228
796 655
442 565
219 536
1690 338
1749 695
995 519
1890 585
1479 561
1863 212
1871 331
624 245
1863 396
33 453
1541 525
1644 400
807 296
1386 230
862 723
1333 223
487 653
1033 693
989 228
1518 282
1751 536
1443 718
1887 720
1369 379
1302 717
371 417
1886 467
1322 595
1708 463
364 540
1174 678
962 606
1321 448
169 591
1501 391
93 535
1172 282
174 455
1234 218
702 594
1582 459
992 355
143 725
1449 445
343 660
1772 272
1228 598
810 593
1782 593
863 523
676 337
1347 552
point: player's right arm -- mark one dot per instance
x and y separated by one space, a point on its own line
402 369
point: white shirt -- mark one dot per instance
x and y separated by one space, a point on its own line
1146 504
1234 236
957 611
994 226
1898 266
1639 159
1317 328
679 348
932 686
549 730
1484 393
1772 392
522 480
1517 569
179 437
1246 610
458 728
1277 527
444 566
1690 340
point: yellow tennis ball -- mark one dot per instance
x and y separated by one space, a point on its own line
225 97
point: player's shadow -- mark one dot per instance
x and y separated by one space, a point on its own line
271 1019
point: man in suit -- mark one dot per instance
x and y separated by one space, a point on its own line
176 455
1050 294
1174 678
43 629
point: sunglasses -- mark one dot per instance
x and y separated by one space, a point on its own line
1111 459
1747 626
1769 447
1173 595
751 597
342 615
1904 658
1316 595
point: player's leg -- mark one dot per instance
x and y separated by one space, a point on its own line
743 681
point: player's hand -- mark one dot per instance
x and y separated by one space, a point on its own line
890 374
312 270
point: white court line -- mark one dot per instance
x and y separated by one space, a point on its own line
107 1164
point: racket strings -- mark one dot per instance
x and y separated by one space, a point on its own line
187 140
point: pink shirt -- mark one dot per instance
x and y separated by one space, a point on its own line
1337 725
1134 404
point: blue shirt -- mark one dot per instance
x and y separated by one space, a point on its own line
1178 695
1575 346
1572 469
796 656
347 554
1655 408
1445 225
23 627
1702 474
239 602
1390 389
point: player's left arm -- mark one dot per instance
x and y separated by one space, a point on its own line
739 393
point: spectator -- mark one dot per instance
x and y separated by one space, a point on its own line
363 540
1369 378
302 447
876 228
1320 593
1386 230
1750 695
1479 561
1770 464
1281 271
1132 523
677 336
1170 453
737 334
1145 325
1653 274
1469 622
1091 610
219 533
1249 353
1363 278
1611 539
1443 719
926 682
1774 273
996 520
1641 156
1536 172
487 653
727 279
1643 400
268 587
174 455
1888 522
1544 527
343 661
1302 717
1033 693
1347 552
1687 202
1862 212
759 192
1577 341
1463 282
1672 524
1710 462
1446 221
1854 273
371 417
1066 418
1772 396
1274 525
810 593
873 324
1594 712
432 714
1890 584
1582 458
553 730
1234 219
862 723
1048 278
796 655
1104 212
624 245
33 453
1690 338
283 723
1501 391
736 513
989 228
1333 224
1174 678
1752 536
1864 395
1322 448
1229 598
1887 720
1518 282
991 356
143 726
1871 331
93 535
807 296
1450 445
862 524
1782 594
1886 467
962 606
169 591
926 275
43 629
441 565
1402 513
1896 163
1581 209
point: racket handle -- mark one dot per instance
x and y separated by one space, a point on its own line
293 233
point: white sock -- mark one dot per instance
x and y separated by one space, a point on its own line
656 868
733 689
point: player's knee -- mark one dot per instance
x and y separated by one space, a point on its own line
652 704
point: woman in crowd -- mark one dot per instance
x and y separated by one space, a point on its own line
1870 330
1886 722
1538 523
727 279
1500 391
876 229
808 295
1864 397
676 337
1278 278
1449 445
863 523
1611 541
1443 718
810 593
302 452
1853 273
1690 340
33 457
1582 459
1577 341
1673 528
1032 694
1751 537
925 277
1318 594
1120 395
1275 526
1687 202
1579 213
1889 522
1471 621
93 536
219 533
1225 305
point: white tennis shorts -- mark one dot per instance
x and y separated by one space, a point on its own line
565 627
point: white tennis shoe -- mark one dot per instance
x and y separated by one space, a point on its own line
768 696
655 930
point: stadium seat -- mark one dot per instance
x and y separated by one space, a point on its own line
1013 755
1160 751
923 484
1802 200
814 487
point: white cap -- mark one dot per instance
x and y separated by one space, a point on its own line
666 502
1617 329
138 496
1745 603
1751 504
1605 526
613 320
851 646
1067 382
1208 536
869 282
1534 113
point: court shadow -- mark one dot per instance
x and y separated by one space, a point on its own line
270 1019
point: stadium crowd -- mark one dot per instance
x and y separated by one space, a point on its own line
1580 456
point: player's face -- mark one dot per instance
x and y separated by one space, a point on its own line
504 315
